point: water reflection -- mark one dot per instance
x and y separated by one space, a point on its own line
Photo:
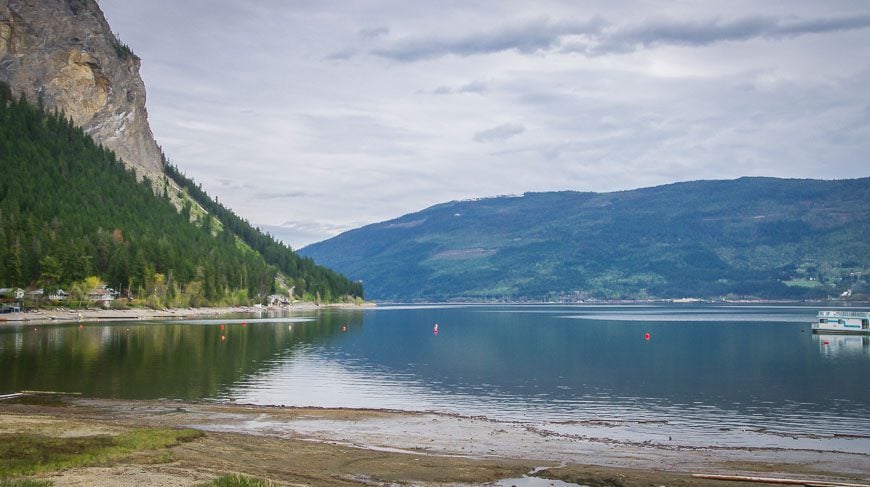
643 373
141 360
741 376
839 346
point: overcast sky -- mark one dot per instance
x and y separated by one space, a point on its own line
310 118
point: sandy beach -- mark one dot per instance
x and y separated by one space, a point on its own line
310 446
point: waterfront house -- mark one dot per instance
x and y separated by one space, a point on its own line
14 293
103 296
35 295
58 295
277 300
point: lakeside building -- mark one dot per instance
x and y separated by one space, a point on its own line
14 293
58 295
103 296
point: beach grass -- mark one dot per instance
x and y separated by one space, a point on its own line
26 454
234 480
24 483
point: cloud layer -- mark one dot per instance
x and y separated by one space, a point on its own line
311 118
597 36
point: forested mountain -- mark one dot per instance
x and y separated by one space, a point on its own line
69 209
302 273
751 237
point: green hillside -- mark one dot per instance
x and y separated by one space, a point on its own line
69 210
752 237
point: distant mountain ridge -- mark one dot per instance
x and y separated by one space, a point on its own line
750 237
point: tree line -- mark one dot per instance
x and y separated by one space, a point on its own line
70 210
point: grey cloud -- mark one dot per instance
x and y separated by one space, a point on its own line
475 87
702 33
528 37
368 34
499 133
596 36
819 26
342 55
373 33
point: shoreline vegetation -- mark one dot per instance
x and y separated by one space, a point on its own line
103 440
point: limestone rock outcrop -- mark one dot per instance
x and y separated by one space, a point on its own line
63 54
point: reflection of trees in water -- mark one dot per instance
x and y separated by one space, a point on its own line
133 360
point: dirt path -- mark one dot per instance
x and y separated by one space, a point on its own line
305 446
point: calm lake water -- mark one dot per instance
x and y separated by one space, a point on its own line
727 376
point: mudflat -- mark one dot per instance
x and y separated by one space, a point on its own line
311 446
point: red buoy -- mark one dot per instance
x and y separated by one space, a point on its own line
826 342
647 336
343 328
222 327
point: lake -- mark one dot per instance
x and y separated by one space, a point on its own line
729 376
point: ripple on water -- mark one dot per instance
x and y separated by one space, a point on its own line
308 379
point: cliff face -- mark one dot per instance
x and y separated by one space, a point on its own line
64 53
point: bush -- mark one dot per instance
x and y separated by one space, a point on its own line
234 480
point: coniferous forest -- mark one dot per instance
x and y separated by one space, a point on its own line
72 216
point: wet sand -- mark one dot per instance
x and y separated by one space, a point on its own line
311 446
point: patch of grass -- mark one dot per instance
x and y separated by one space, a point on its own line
25 483
802 283
25 454
234 480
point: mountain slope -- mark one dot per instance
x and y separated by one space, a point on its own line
69 210
300 273
63 54
760 237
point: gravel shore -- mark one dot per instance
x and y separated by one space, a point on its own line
313 446
49 315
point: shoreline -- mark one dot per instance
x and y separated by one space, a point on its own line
62 315
326 446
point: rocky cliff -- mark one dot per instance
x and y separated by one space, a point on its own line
63 54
